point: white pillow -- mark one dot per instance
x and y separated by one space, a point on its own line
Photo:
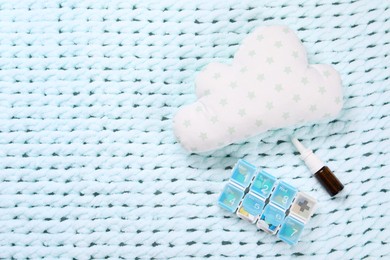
269 85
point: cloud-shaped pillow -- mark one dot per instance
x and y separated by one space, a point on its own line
269 85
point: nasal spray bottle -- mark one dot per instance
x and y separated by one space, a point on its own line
322 173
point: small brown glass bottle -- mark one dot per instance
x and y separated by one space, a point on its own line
322 173
329 181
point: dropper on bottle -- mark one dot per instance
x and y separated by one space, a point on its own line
322 173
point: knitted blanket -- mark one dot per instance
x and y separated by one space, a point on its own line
89 165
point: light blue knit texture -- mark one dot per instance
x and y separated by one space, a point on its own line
90 168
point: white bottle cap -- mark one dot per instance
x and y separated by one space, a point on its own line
312 162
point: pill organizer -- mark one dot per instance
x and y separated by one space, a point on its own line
274 206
